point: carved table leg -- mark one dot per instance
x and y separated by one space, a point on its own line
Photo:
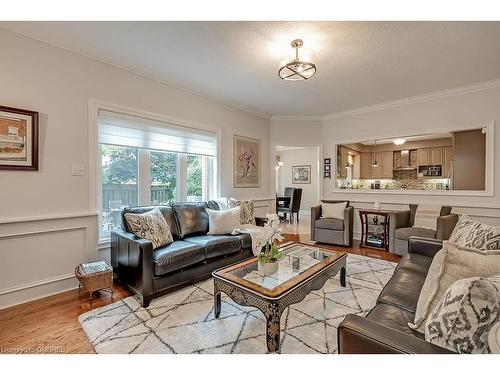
273 327
217 301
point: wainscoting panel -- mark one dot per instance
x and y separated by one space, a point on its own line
38 256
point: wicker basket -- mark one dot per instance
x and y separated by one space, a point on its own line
95 276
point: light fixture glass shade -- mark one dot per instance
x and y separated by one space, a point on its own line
375 164
399 141
297 70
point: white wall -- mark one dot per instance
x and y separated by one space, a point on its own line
301 156
47 221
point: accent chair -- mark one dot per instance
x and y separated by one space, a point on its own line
329 230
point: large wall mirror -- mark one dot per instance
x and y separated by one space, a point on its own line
446 161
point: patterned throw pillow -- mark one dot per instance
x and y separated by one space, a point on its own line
462 320
151 226
246 210
470 233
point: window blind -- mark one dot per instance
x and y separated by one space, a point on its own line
124 130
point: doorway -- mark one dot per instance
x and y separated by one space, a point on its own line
299 167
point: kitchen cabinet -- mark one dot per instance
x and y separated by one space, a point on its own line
343 161
447 160
436 156
430 156
366 165
423 156
385 162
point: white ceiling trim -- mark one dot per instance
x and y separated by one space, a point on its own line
232 105
481 86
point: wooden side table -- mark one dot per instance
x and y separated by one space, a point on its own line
374 232
95 276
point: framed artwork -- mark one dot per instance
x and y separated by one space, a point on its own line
246 162
301 174
327 167
328 175
328 160
18 139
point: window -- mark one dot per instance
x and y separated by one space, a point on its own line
145 162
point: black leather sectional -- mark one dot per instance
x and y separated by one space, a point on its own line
385 328
189 259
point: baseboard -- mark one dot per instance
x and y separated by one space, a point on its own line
37 292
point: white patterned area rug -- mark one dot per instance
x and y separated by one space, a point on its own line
184 322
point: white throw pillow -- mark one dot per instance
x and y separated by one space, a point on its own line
151 226
450 264
333 210
465 315
223 222
471 233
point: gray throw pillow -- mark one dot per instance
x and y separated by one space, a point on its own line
471 233
151 226
465 315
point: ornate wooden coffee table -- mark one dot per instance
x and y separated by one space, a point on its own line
302 269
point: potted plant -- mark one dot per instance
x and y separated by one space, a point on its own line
270 254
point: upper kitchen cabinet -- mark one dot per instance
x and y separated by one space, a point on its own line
366 165
423 156
385 164
430 156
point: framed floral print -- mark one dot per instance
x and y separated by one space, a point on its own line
18 139
246 162
301 174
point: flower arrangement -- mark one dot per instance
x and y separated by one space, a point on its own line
271 234
246 159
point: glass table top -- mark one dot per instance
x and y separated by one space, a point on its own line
298 262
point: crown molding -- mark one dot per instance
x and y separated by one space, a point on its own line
481 86
232 105
297 118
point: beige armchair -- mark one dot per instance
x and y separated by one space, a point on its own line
332 231
401 228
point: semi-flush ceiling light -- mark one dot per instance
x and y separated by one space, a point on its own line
399 141
297 70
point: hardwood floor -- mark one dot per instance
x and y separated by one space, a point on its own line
50 325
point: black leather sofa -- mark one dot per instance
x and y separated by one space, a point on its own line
189 259
385 328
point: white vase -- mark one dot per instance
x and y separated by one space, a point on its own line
267 268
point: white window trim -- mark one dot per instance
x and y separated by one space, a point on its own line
94 174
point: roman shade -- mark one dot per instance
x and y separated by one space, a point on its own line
124 130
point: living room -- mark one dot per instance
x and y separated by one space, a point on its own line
196 186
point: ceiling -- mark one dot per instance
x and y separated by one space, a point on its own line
359 63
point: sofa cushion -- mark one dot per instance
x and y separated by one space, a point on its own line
328 223
177 255
406 233
393 317
167 212
470 233
245 239
192 218
217 245
415 262
403 289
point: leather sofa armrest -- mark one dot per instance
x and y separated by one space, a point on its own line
358 335
424 246
445 226
132 262
260 221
